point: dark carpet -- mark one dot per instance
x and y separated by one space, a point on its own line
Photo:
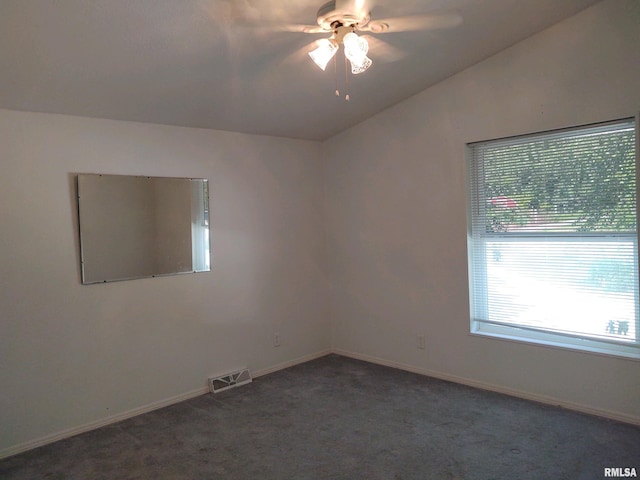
339 418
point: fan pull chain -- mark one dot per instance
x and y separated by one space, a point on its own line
335 74
346 79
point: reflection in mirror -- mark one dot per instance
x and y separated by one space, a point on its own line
135 227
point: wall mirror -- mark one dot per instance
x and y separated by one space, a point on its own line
136 227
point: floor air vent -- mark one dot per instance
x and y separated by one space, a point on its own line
229 380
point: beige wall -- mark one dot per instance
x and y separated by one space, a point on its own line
72 354
396 210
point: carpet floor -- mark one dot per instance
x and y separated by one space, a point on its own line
339 418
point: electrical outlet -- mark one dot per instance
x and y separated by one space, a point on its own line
421 342
276 339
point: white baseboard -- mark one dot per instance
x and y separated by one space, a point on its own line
23 447
291 363
612 415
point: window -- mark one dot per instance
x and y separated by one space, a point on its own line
553 247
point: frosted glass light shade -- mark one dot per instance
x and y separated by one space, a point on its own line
355 45
361 65
325 52
355 49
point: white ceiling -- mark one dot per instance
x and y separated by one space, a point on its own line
209 63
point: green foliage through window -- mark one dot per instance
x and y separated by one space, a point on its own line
578 183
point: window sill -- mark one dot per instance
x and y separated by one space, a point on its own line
519 335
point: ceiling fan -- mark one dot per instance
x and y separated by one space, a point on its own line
343 18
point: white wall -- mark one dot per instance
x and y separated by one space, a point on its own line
396 211
72 354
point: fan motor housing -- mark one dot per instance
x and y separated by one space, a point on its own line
342 13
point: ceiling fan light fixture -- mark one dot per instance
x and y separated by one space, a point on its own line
325 51
360 65
355 49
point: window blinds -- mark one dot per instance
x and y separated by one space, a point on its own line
553 232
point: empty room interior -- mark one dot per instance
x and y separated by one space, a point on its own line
361 234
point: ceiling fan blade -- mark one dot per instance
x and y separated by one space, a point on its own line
300 28
381 50
265 15
413 23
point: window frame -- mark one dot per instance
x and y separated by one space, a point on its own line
476 257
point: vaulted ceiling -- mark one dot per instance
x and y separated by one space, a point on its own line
238 65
